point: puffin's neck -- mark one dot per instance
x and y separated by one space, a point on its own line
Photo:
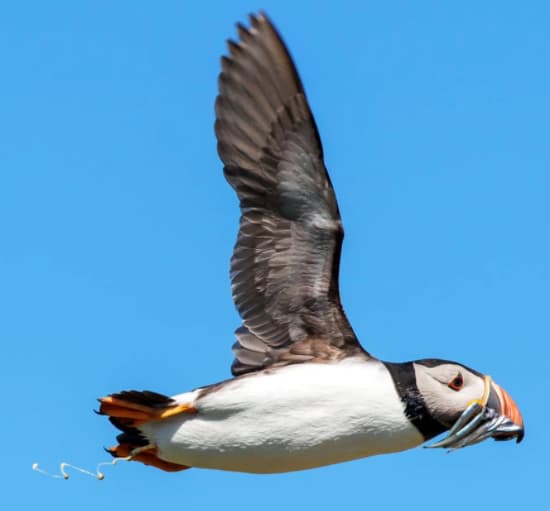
404 379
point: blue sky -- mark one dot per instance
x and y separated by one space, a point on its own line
116 227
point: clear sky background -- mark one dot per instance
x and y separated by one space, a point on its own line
116 228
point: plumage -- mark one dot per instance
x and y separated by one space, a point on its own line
316 422
284 269
304 392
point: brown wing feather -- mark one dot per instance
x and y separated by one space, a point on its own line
284 269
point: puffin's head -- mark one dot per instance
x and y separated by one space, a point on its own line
467 403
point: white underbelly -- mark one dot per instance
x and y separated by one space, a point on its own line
297 417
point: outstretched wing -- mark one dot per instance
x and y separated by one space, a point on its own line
284 269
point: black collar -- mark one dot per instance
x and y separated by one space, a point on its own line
404 379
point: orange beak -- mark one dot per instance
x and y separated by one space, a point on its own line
506 406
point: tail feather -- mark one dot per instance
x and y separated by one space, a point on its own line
143 399
132 437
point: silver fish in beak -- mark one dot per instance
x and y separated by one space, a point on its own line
494 415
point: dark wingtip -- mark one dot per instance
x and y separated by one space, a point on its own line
256 19
262 16
242 31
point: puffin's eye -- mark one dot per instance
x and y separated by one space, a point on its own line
456 383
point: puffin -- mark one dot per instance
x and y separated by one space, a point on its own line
304 392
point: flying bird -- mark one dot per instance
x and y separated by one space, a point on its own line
304 392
